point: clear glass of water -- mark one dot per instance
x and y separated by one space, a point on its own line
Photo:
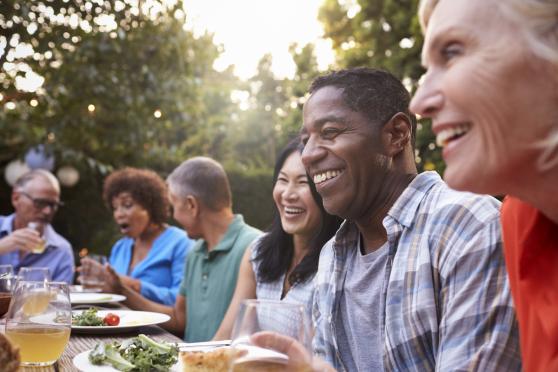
92 271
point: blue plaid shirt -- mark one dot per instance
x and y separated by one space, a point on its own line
448 305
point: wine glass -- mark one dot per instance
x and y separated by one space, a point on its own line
256 316
39 321
7 282
34 274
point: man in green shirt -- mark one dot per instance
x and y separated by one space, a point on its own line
200 194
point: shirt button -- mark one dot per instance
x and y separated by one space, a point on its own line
204 276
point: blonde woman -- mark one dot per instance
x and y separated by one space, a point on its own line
491 90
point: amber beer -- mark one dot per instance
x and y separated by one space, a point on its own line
39 344
5 298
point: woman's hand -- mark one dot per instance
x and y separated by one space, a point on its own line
113 282
135 284
90 271
299 358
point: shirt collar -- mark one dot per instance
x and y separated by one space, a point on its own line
6 227
227 242
405 207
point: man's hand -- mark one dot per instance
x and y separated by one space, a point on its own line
25 239
299 358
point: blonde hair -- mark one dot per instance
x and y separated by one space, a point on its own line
540 30
539 18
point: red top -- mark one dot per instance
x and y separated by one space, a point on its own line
531 250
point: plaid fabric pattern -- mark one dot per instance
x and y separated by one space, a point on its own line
448 305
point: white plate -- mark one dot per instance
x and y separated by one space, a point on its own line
82 289
95 298
255 353
129 320
81 361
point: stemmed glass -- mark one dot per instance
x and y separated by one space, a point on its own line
7 282
39 321
257 316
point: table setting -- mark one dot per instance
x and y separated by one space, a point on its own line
61 327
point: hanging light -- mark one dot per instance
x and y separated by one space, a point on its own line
67 175
38 158
14 170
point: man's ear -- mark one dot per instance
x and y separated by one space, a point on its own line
192 205
397 134
15 198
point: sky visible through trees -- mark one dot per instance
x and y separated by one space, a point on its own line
122 85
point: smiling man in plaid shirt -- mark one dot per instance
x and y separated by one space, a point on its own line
414 279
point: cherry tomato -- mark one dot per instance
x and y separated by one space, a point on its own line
111 319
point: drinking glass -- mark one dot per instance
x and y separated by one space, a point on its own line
92 270
7 281
38 227
34 274
274 316
39 321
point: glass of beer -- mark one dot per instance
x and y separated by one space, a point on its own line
38 227
39 321
255 316
7 281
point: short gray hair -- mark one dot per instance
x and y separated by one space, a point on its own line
23 180
205 179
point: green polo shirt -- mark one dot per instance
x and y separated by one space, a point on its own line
210 279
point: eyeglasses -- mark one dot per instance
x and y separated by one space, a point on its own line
40 204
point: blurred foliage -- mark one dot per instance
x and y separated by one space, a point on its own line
122 84
252 194
382 34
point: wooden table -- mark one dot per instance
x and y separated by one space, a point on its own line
80 342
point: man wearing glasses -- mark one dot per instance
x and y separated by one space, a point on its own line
26 237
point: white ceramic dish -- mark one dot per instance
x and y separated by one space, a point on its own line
95 298
82 289
81 362
129 320
255 353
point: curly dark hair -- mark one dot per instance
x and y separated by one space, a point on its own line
146 187
375 93
276 248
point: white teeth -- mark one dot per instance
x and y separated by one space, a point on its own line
442 138
321 177
293 210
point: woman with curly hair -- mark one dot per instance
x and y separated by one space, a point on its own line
150 257
281 264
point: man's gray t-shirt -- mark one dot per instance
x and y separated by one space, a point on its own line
359 317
